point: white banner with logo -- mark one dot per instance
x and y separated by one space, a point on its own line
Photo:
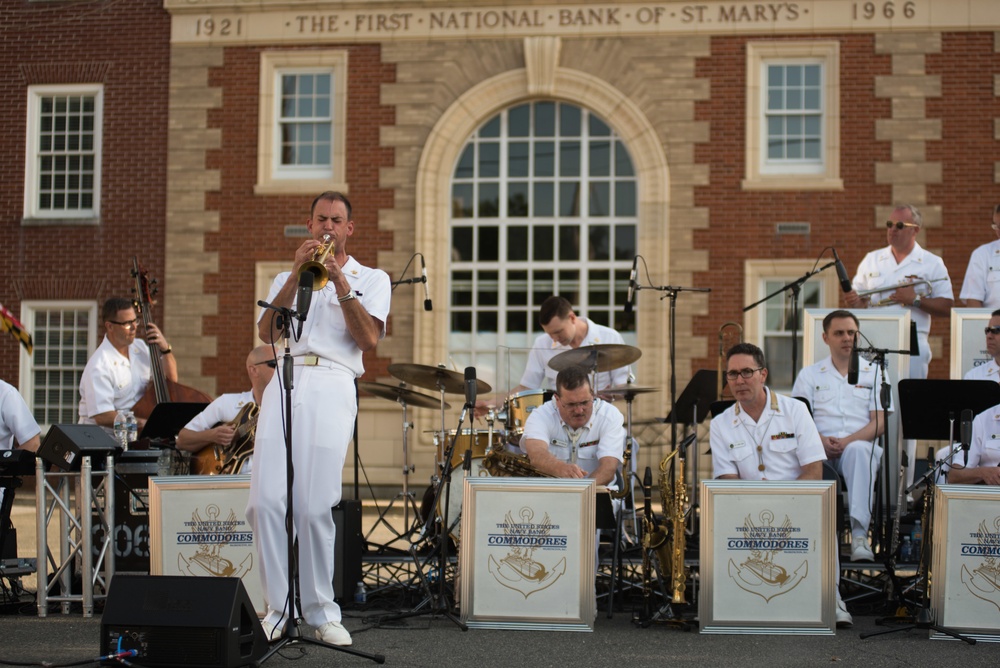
965 560
198 527
527 554
768 554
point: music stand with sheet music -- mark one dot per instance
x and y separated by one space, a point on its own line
168 418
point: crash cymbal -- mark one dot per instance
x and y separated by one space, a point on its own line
602 357
627 390
401 395
434 378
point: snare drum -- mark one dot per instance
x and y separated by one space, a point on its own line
519 407
477 439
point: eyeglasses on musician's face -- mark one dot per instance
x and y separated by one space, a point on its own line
899 224
271 363
745 374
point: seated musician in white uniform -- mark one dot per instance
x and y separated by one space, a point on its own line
574 435
765 436
987 371
214 427
983 463
849 419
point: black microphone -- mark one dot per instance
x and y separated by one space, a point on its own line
428 306
470 387
305 296
845 280
966 431
631 285
852 367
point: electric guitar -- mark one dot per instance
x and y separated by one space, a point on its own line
219 460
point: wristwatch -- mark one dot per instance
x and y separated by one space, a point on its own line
916 302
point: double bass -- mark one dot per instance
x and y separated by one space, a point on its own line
160 389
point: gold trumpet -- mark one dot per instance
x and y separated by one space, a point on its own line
316 267
892 288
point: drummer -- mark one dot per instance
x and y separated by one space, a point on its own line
565 330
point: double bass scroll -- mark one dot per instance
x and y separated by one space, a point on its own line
161 389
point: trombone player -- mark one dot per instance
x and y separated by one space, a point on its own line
915 279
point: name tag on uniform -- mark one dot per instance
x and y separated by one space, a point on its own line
740 444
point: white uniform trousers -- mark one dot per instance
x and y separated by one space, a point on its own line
323 412
859 466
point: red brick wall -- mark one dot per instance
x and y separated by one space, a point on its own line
255 224
125 46
742 222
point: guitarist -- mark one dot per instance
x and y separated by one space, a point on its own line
117 374
212 431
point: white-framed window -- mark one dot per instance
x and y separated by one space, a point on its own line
769 325
64 334
62 166
793 116
303 115
544 201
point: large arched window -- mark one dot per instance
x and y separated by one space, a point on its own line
543 202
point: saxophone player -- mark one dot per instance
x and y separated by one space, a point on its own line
765 436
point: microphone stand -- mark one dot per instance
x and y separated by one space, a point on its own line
795 287
438 603
671 292
924 617
292 633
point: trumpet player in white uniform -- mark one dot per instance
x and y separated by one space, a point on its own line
347 317
928 288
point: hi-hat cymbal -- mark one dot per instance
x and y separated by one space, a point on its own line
434 378
401 395
628 391
602 357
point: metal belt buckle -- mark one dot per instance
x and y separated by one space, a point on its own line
310 360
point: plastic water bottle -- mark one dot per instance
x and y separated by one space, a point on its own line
131 427
906 551
121 431
916 536
360 593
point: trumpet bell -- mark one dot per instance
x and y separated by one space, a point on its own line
316 267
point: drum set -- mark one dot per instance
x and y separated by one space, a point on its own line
505 427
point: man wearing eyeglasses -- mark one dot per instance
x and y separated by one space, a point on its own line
849 419
213 427
765 436
981 287
117 374
574 435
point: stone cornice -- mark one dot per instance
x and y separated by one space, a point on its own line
290 21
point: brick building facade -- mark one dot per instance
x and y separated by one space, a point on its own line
909 113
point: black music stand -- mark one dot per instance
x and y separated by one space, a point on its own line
928 407
695 401
168 418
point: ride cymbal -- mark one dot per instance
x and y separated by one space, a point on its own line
401 395
434 378
602 357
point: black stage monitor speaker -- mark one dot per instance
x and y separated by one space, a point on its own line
348 547
66 444
173 620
